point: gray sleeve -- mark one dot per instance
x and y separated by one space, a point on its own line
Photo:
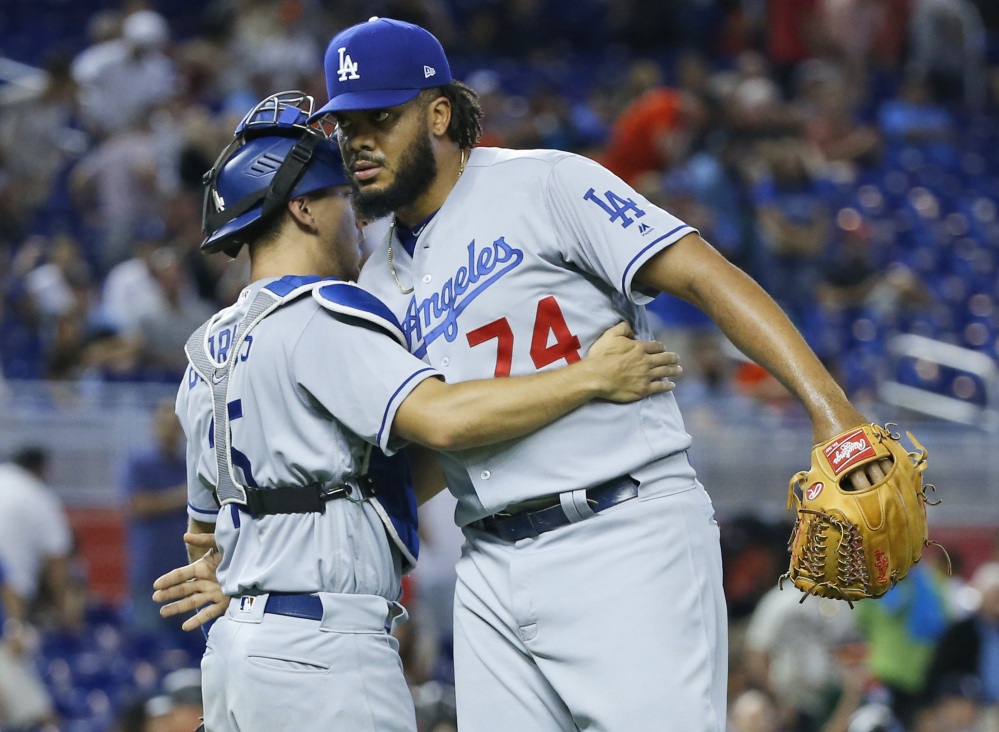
358 373
200 501
604 226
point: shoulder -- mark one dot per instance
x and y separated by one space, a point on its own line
13 475
348 300
514 162
539 170
283 305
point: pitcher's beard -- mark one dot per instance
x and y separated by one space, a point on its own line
417 171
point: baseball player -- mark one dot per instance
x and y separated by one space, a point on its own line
295 397
589 591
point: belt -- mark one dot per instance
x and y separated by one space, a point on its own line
352 612
309 607
310 498
529 524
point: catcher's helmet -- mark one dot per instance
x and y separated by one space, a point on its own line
275 156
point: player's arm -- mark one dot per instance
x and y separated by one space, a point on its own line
195 585
474 413
693 270
197 548
428 476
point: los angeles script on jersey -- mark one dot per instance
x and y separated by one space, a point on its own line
486 264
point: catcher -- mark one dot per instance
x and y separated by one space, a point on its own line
851 542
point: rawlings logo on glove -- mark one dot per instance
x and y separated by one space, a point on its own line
853 544
847 451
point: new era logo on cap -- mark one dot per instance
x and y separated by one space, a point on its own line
381 63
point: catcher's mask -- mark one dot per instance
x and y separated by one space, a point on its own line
275 155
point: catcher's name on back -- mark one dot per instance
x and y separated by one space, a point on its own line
849 543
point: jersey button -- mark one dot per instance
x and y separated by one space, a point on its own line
426 279
485 475
445 361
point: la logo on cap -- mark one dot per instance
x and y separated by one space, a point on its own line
348 69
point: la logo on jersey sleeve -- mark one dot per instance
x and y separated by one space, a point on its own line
617 208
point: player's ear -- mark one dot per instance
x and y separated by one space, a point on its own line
439 116
301 213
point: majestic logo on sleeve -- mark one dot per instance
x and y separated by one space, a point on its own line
426 321
348 69
848 451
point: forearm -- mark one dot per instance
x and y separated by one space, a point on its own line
850 700
475 413
56 574
754 323
760 329
194 526
428 477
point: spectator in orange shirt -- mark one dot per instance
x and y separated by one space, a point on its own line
646 134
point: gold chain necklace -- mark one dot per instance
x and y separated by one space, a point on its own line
404 291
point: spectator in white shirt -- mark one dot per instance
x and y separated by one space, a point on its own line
35 539
131 76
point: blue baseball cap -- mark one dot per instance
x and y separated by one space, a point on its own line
381 63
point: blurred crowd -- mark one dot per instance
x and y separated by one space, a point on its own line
917 660
924 658
841 151
844 152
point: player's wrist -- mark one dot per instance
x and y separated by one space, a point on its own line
831 420
590 379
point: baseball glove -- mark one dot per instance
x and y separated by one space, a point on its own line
854 544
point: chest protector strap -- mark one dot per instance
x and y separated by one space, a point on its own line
258 501
216 376
398 514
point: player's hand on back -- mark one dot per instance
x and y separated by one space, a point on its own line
193 586
631 369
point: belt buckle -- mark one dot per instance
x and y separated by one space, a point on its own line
366 489
340 491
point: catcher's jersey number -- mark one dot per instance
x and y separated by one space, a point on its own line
549 320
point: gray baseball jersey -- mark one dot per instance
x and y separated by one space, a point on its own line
310 392
531 257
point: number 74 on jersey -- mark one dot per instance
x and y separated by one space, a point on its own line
548 320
